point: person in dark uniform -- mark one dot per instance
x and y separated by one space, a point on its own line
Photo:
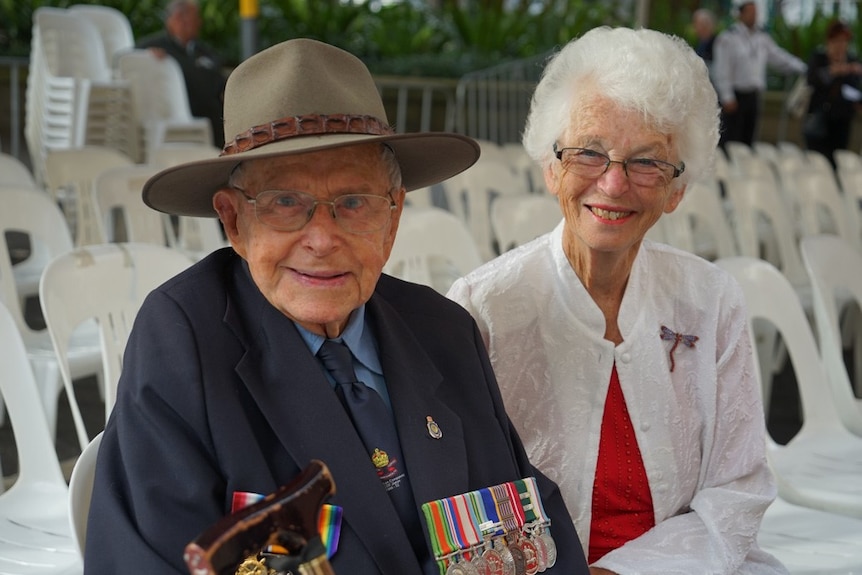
201 65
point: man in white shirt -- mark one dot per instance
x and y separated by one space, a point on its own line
741 54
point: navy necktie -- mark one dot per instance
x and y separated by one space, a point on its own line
376 427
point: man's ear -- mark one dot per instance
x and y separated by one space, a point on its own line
225 205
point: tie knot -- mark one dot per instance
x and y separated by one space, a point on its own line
338 360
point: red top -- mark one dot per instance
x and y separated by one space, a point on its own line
622 503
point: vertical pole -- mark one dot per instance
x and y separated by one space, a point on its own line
642 16
249 10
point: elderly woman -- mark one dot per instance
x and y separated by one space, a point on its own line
625 364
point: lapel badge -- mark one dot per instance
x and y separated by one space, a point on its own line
668 334
433 429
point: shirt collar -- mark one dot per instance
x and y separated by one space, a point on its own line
359 340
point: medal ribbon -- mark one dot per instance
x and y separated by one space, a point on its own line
538 508
503 506
489 504
438 528
526 501
515 499
456 524
477 511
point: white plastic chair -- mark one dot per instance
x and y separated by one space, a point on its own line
471 193
433 247
81 491
69 177
106 283
811 542
835 269
517 219
35 536
123 215
14 173
847 160
114 28
822 208
35 214
821 465
699 223
71 98
161 102
851 186
171 154
763 227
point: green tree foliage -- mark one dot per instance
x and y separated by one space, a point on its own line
422 38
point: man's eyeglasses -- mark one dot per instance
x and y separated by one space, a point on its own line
289 211
647 172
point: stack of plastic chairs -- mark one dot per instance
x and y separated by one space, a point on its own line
160 103
114 28
72 99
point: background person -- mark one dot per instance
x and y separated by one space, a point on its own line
201 65
741 55
833 74
626 364
225 391
703 22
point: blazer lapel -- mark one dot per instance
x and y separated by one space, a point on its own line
294 396
436 467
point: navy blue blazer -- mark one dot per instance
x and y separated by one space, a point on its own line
219 394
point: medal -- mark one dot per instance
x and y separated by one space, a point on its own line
551 549
506 556
518 559
494 561
542 553
531 556
482 567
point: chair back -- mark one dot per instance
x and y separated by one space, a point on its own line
433 247
123 215
519 218
37 458
114 28
13 172
81 491
33 213
758 206
699 224
835 269
69 176
471 193
34 515
107 283
772 298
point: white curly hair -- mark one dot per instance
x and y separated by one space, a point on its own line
642 70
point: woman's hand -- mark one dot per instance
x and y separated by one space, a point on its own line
600 571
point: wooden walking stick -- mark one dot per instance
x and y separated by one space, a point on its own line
286 518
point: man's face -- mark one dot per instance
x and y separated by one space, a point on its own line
748 14
318 274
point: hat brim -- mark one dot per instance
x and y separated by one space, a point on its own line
425 158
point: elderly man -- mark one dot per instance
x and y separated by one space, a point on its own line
231 381
200 64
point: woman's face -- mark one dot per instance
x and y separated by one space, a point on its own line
837 47
609 213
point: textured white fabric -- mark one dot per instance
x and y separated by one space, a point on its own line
700 429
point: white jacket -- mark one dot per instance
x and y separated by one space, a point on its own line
700 428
